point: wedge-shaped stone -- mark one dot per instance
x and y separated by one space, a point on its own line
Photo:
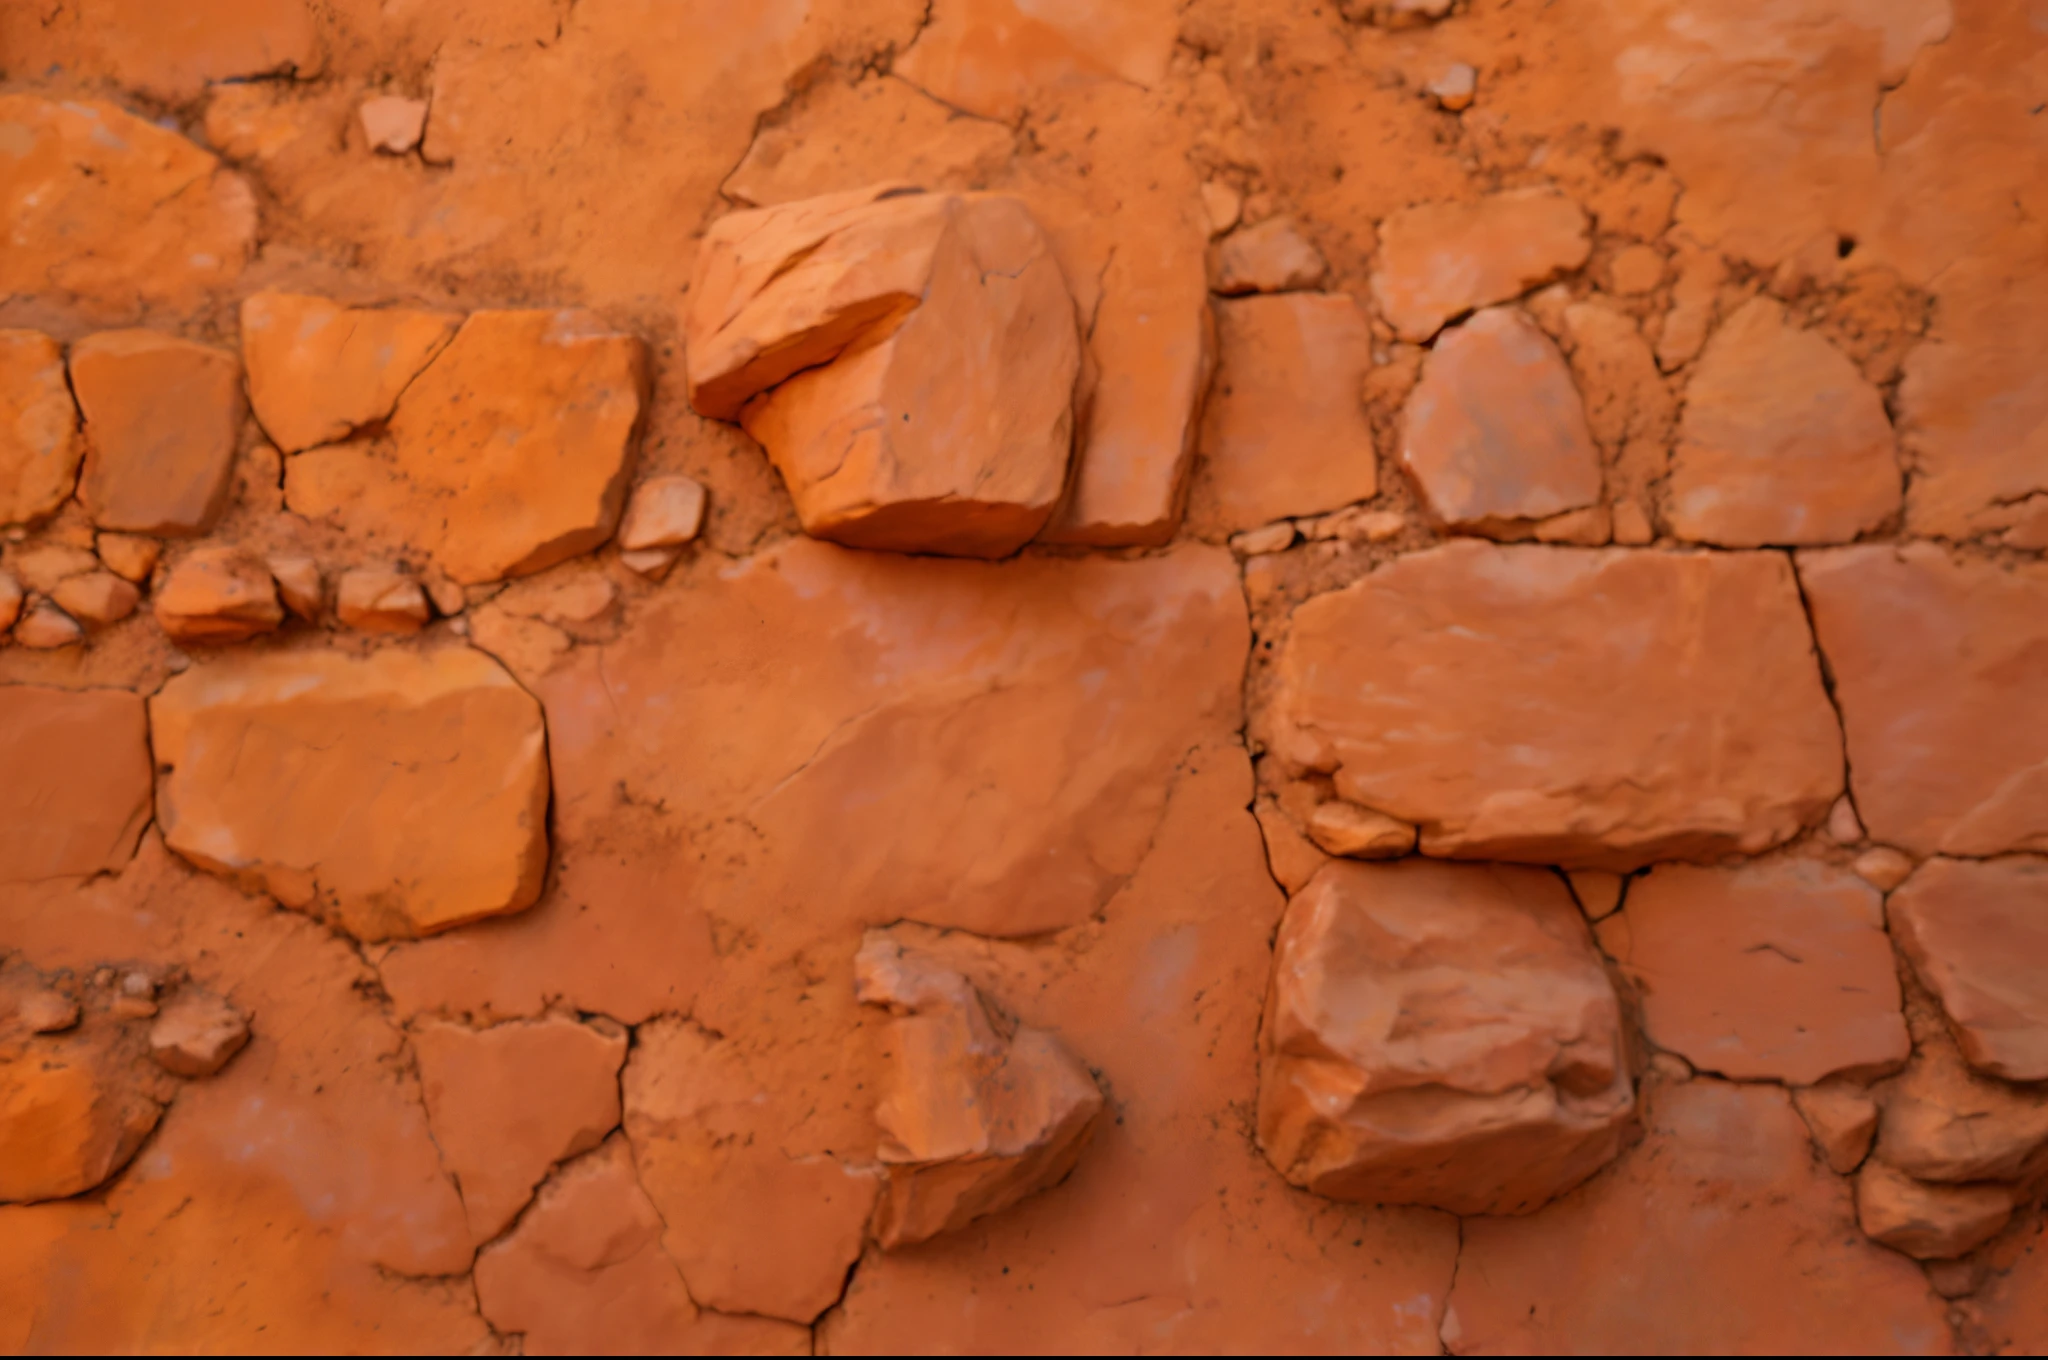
1440 1034
318 370
397 794
1472 690
217 593
1943 1122
1929 1222
161 419
74 1108
1977 934
39 444
978 1115
1439 260
74 781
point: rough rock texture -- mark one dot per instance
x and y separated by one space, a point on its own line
1949 752
1977 935
196 1034
1843 1121
74 781
1495 431
1440 260
1271 257
1440 1034
217 594
319 371
1942 1122
1928 1221
1778 970
73 1109
39 445
430 774
1462 689
161 419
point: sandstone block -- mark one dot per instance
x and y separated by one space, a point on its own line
664 512
73 1111
217 594
1439 260
174 51
39 444
319 371
46 628
74 781
393 123
381 600
1779 971
1272 257
97 598
977 1114
1495 432
127 556
1360 833
196 1034
397 794
1467 689
509 1102
47 564
1440 1034
1928 1222
1930 653
1942 1122
10 600
161 419
1976 932
1843 1120
1782 440
1598 891
1284 432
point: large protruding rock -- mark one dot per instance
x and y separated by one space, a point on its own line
397 794
39 445
1439 260
74 1107
908 360
1440 1034
318 370
161 419
979 1114
1470 690
74 781
1977 934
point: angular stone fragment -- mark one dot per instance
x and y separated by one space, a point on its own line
1843 1120
1439 260
39 444
1844 827
1340 828
1454 87
47 628
217 594
1285 432
1782 440
977 1115
298 583
161 419
1272 257
1976 932
907 360
112 210
664 512
1779 971
393 123
1440 1034
397 794
48 564
1928 1222
196 1034
1718 1234
97 598
1598 891
1494 431
74 1109
381 600
74 781
1468 689
509 1102
127 556
1942 1122
318 370
1932 657
1882 867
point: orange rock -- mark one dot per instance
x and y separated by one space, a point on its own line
1495 430
929 316
97 598
114 211
1949 746
1339 828
1883 867
1440 1034
1942 1122
217 594
754 1229
1844 827
1291 857
585 1271
48 564
39 445
393 123
1925 1221
975 1117
298 583
1843 1121
1437 260
196 1034
161 419
174 52
1460 689
509 1102
74 781
1272 257
1284 432
2012 1307
528 647
381 600
664 512
431 777
1782 440
1779 971
10 600
990 57
1597 891
319 371
73 1111
1634 271
1976 932
46 628
128 557
1718 1234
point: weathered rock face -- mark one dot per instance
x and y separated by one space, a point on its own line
197 1034
39 446
1460 689
74 1108
1782 440
1950 754
1780 970
397 795
217 594
975 1118
1440 1034
174 52
161 419
74 781
319 371
1439 260
1271 257
908 361
1495 430
1977 935
1928 1222
1942 1122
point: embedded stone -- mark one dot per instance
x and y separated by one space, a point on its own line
10 600
973 1118
1782 441
73 1110
39 444
127 556
319 371
1882 867
396 794
1440 1034
298 583
48 564
381 600
1929 1222
161 419
1341 828
46 628
1454 87
74 781
217 594
1495 432
1777 971
1976 932
196 1034
1947 739
393 123
1272 257
1466 689
1844 827
1843 1121
1940 1121
1437 261
97 598
663 512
